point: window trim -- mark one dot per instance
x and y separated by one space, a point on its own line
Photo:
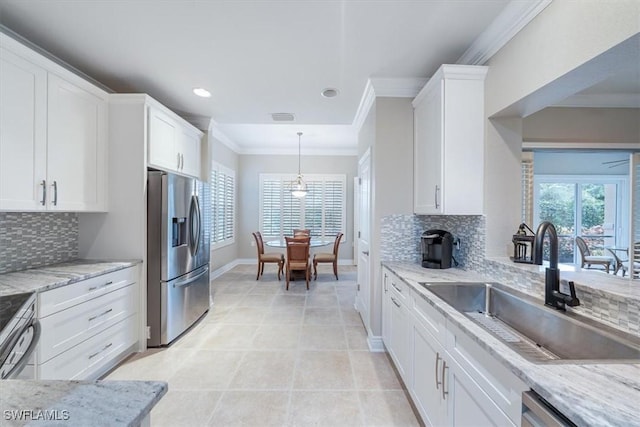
622 202
220 168
308 178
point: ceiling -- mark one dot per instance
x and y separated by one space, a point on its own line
255 57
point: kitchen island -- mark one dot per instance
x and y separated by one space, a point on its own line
587 392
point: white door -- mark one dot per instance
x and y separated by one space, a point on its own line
188 146
76 147
162 142
363 297
23 138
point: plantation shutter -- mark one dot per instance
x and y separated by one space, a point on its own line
527 189
634 254
222 189
322 210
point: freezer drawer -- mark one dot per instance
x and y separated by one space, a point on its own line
183 301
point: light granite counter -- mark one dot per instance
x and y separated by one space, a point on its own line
57 275
78 403
588 394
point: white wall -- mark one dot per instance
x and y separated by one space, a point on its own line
553 163
580 125
220 153
524 77
388 131
249 169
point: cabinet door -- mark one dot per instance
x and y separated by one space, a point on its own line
23 120
76 147
428 139
386 308
189 148
425 386
399 335
467 404
162 141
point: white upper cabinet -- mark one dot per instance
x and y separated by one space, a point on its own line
23 133
76 154
53 135
449 142
173 145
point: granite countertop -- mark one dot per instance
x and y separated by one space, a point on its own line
80 403
56 275
588 394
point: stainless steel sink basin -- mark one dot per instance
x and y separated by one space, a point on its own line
537 332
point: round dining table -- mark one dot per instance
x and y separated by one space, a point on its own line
313 243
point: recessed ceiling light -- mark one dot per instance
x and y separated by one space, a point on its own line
329 92
202 92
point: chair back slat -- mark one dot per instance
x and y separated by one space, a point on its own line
336 244
297 249
259 242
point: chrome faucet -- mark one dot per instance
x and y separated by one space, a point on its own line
552 295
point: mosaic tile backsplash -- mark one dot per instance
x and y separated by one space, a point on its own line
401 234
400 237
34 239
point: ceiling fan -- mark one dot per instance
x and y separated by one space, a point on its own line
615 163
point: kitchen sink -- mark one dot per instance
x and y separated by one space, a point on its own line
538 333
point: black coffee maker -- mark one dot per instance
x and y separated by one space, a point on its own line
437 249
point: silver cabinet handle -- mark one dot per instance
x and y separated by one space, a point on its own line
93 288
181 161
178 165
395 302
444 367
436 377
365 253
385 283
436 196
44 192
91 356
55 193
397 288
100 315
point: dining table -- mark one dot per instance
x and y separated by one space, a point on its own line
313 243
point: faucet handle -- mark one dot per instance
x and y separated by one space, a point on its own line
571 300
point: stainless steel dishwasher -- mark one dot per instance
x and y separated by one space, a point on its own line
537 412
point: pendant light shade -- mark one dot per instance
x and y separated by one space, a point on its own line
299 189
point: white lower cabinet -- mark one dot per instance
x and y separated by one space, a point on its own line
451 380
87 327
396 309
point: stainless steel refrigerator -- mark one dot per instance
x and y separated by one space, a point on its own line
177 255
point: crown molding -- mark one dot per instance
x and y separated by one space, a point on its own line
580 145
515 16
214 130
610 100
385 88
308 151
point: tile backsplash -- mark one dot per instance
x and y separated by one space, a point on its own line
34 239
400 237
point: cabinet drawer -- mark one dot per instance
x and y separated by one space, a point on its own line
497 381
67 296
398 287
67 328
430 318
91 358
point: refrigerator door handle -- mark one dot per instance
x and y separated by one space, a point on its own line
189 280
195 220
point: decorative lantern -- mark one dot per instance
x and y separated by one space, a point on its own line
523 245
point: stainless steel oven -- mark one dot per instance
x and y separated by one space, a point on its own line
19 332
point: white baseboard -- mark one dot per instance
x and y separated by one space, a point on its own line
220 271
376 344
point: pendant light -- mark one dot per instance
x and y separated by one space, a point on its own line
299 189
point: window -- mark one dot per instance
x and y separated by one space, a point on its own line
223 202
592 207
323 210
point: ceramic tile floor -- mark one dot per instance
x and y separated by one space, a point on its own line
264 356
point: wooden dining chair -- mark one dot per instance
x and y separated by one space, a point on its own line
301 232
263 258
328 257
298 257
